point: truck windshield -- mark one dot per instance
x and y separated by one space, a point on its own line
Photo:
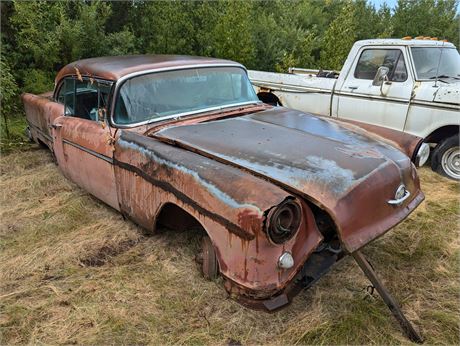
178 92
427 60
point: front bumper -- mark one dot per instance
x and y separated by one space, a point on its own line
317 265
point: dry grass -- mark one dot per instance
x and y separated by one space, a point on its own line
73 271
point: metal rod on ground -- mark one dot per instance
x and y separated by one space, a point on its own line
407 327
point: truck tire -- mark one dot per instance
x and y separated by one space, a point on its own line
446 158
269 98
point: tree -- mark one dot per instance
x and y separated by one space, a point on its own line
233 32
339 38
436 18
8 93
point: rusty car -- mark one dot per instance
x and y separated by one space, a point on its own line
184 141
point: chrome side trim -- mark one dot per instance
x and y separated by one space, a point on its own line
289 88
371 97
89 151
437 105
120 82
49 138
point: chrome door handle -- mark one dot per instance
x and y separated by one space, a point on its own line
353 87
56 126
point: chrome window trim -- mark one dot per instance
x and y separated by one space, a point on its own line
120 82
58 86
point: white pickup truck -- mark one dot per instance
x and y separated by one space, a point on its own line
410 85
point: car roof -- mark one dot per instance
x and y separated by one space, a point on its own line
115 67
406 42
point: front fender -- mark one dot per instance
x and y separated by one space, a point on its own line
231 204
405 142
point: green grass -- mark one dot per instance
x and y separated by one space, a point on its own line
147 290
14 138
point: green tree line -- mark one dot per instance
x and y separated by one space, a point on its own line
40 37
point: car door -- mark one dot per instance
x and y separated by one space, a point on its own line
386 105
82 143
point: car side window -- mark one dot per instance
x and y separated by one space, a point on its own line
66 95
83 99
371 59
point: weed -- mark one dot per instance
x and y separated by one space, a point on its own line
73 271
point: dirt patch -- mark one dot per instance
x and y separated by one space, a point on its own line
106 252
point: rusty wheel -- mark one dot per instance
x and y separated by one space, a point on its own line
209 266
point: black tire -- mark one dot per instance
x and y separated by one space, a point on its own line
28 134
445 159
269 98
210 266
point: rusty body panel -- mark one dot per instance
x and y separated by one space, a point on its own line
41 113
328 164
115 67
233 214
242 173
85 157
405 142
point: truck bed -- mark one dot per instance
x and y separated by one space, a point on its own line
295 90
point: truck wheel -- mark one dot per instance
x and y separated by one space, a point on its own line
446 158
209 266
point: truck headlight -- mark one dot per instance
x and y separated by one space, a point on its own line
422 155
284 221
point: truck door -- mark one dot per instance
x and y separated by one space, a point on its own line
81 142
386 105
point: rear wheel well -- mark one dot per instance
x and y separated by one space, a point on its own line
42 144
269 98
443 132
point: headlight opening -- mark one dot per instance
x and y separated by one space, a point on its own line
284 221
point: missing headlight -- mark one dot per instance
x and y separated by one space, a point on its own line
284 221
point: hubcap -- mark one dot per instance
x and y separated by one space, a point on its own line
451 162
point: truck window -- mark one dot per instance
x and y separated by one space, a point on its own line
82 99
430 63
371 59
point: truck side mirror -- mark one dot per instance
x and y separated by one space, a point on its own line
380 76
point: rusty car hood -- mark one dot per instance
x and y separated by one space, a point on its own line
338 168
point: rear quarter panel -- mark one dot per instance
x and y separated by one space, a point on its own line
41 111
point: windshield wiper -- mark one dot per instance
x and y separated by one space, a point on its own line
444 76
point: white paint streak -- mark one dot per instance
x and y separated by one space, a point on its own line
214 190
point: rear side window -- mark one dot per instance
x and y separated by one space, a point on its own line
371 59
83 99
66 95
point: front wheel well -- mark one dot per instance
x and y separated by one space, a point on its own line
442 133
174 217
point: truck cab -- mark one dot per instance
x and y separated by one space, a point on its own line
409 85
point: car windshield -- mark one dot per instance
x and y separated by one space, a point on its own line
170 93
431 63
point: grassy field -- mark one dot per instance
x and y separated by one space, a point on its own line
73 271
